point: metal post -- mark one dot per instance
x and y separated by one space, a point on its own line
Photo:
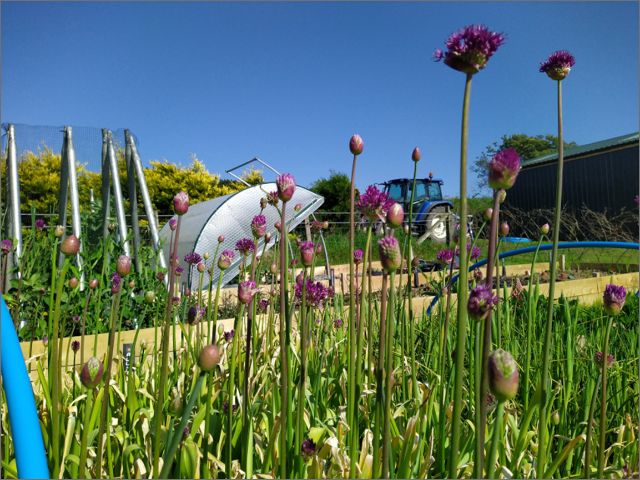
133 202
69 158
146 199
105 184
15 223
117 194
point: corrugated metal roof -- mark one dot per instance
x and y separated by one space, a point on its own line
583 149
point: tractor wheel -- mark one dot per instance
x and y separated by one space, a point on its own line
436 225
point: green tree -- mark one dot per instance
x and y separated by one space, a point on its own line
527 146
335 190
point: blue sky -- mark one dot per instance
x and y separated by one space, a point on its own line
290 82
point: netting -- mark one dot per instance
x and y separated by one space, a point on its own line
87 142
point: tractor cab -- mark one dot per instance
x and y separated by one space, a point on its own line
431 213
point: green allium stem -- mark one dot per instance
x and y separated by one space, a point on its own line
603 400
388 412
352 402
284 356
587 445
541 462
88 407
409 256
379 413
362 296
530 314
231 389
495 440
463 288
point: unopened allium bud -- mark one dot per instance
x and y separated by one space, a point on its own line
209 358
504 229
488 213
558 65
201 267
389 251
356 145
307 252
286 186
205 255
45 340
150 296
504 168
173 224
263 203
73 282
246 291
481 301
503 375
416 155
193 315
358 255
405 229
297 207
6 246
259 226
502 196
92 372
132 284
93 283
395 215
225 259
544 229
278 225
477 274
116 283
614 298
555 417
319 249
267 237
325 224
70 245
220 238
59 231
160 276
181 203
123 265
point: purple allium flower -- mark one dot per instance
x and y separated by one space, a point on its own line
558 65
445 256
395 215
70 245
123 265
6 246
358 256
469 49
473 253
226 257
194 314
317 225
262 305
75 346
181 203
481 301
40 224
503 375
228 336
246 291
374 204
186 432
416 155
259 226
504 168
116 283
173 223
272 198
356 144
337 323
45 340
225 407
245 246
307 251
598 358
308 448
193 258
286 186
179 270
614 298
517 290
389 251
316 293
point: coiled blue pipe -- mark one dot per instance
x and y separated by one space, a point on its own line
546 246
25 426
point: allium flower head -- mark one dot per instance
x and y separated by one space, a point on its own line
246 291
6 246
209 358
263 304
389 251
308 448
469 49
558 65
307 251
374 204
40 224
70 245
481 301
259 226
272 198
337 323
356 144
116 283
503 375
181 203
504 168
194 314
358 255
395 215
179 270
173 224
226 257
316 294
193 258
416 155
598 359
245 246
123 265
286 186
91 373
473 252
75 346
445 256
614 298
228 336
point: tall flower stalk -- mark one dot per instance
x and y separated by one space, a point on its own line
468 51
557 67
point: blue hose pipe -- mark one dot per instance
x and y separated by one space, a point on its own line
546 246
25 425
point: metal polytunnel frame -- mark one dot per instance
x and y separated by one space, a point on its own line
230 216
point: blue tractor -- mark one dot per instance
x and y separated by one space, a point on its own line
432 215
